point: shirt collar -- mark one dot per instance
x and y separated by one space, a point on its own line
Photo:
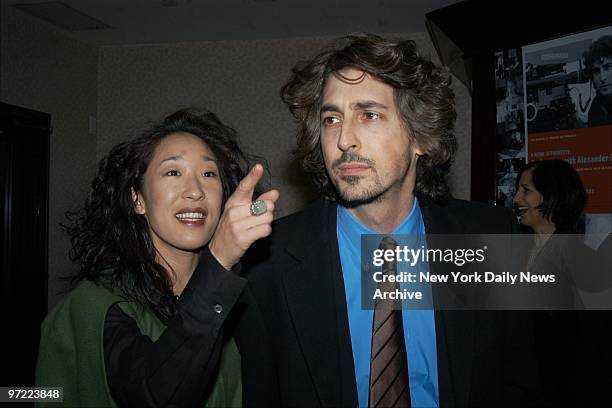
412 224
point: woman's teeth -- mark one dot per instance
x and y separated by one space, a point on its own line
190 216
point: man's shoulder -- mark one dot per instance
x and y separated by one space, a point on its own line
462 216
310 218
476 207
296 233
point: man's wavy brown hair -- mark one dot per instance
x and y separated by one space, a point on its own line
423 97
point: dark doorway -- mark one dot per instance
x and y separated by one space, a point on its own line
24 174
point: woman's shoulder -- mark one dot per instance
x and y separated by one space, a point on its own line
89 292
86 304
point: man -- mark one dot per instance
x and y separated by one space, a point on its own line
598 64
375 125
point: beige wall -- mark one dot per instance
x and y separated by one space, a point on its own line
240 81
44 69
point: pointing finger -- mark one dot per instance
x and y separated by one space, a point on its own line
271 195
244 192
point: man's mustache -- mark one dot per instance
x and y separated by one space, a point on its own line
352 157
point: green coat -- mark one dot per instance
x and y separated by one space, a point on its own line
71 349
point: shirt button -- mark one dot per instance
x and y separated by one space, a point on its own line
218 308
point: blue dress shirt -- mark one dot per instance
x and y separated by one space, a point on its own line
419 325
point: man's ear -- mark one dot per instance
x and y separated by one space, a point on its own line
417 150
139 206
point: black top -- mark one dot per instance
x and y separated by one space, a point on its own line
180 367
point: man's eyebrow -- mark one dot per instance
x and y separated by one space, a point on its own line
368 105
329 108
362 105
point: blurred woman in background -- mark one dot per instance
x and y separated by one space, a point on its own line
550 199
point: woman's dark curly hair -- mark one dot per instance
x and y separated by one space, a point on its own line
111 240
422 94
563 194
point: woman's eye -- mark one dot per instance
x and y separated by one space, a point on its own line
173 173
209 174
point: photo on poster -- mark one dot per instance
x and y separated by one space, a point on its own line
597 228
505 195
568 82
507 174
557 106
510 123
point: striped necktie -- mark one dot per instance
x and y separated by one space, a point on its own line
389 361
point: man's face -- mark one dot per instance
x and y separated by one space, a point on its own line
367 150
602 76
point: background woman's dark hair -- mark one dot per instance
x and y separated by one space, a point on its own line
564 195
111 240
422 94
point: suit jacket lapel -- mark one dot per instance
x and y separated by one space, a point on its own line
454 329
316 301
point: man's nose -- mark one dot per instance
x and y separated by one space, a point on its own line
348 139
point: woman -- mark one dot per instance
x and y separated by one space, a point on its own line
160 305
550 199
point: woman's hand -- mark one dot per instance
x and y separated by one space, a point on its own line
237 228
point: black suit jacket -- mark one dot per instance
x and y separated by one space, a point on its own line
484 358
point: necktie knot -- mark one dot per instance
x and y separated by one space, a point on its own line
387 243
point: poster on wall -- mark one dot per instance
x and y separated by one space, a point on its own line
554 101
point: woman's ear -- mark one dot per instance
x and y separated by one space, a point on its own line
139 206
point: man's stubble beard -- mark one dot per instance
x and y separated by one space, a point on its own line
375 193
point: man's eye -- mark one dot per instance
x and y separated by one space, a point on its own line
173 173
209 174
330 120
372 115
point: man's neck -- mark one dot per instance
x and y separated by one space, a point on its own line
386 215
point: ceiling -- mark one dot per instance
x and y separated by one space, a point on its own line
160 21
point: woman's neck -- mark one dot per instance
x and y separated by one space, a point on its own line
180 266
545 227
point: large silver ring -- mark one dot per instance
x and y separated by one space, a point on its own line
258 207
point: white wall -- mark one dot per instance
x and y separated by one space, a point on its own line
240 81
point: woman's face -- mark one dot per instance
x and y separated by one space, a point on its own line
528 198
181 195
